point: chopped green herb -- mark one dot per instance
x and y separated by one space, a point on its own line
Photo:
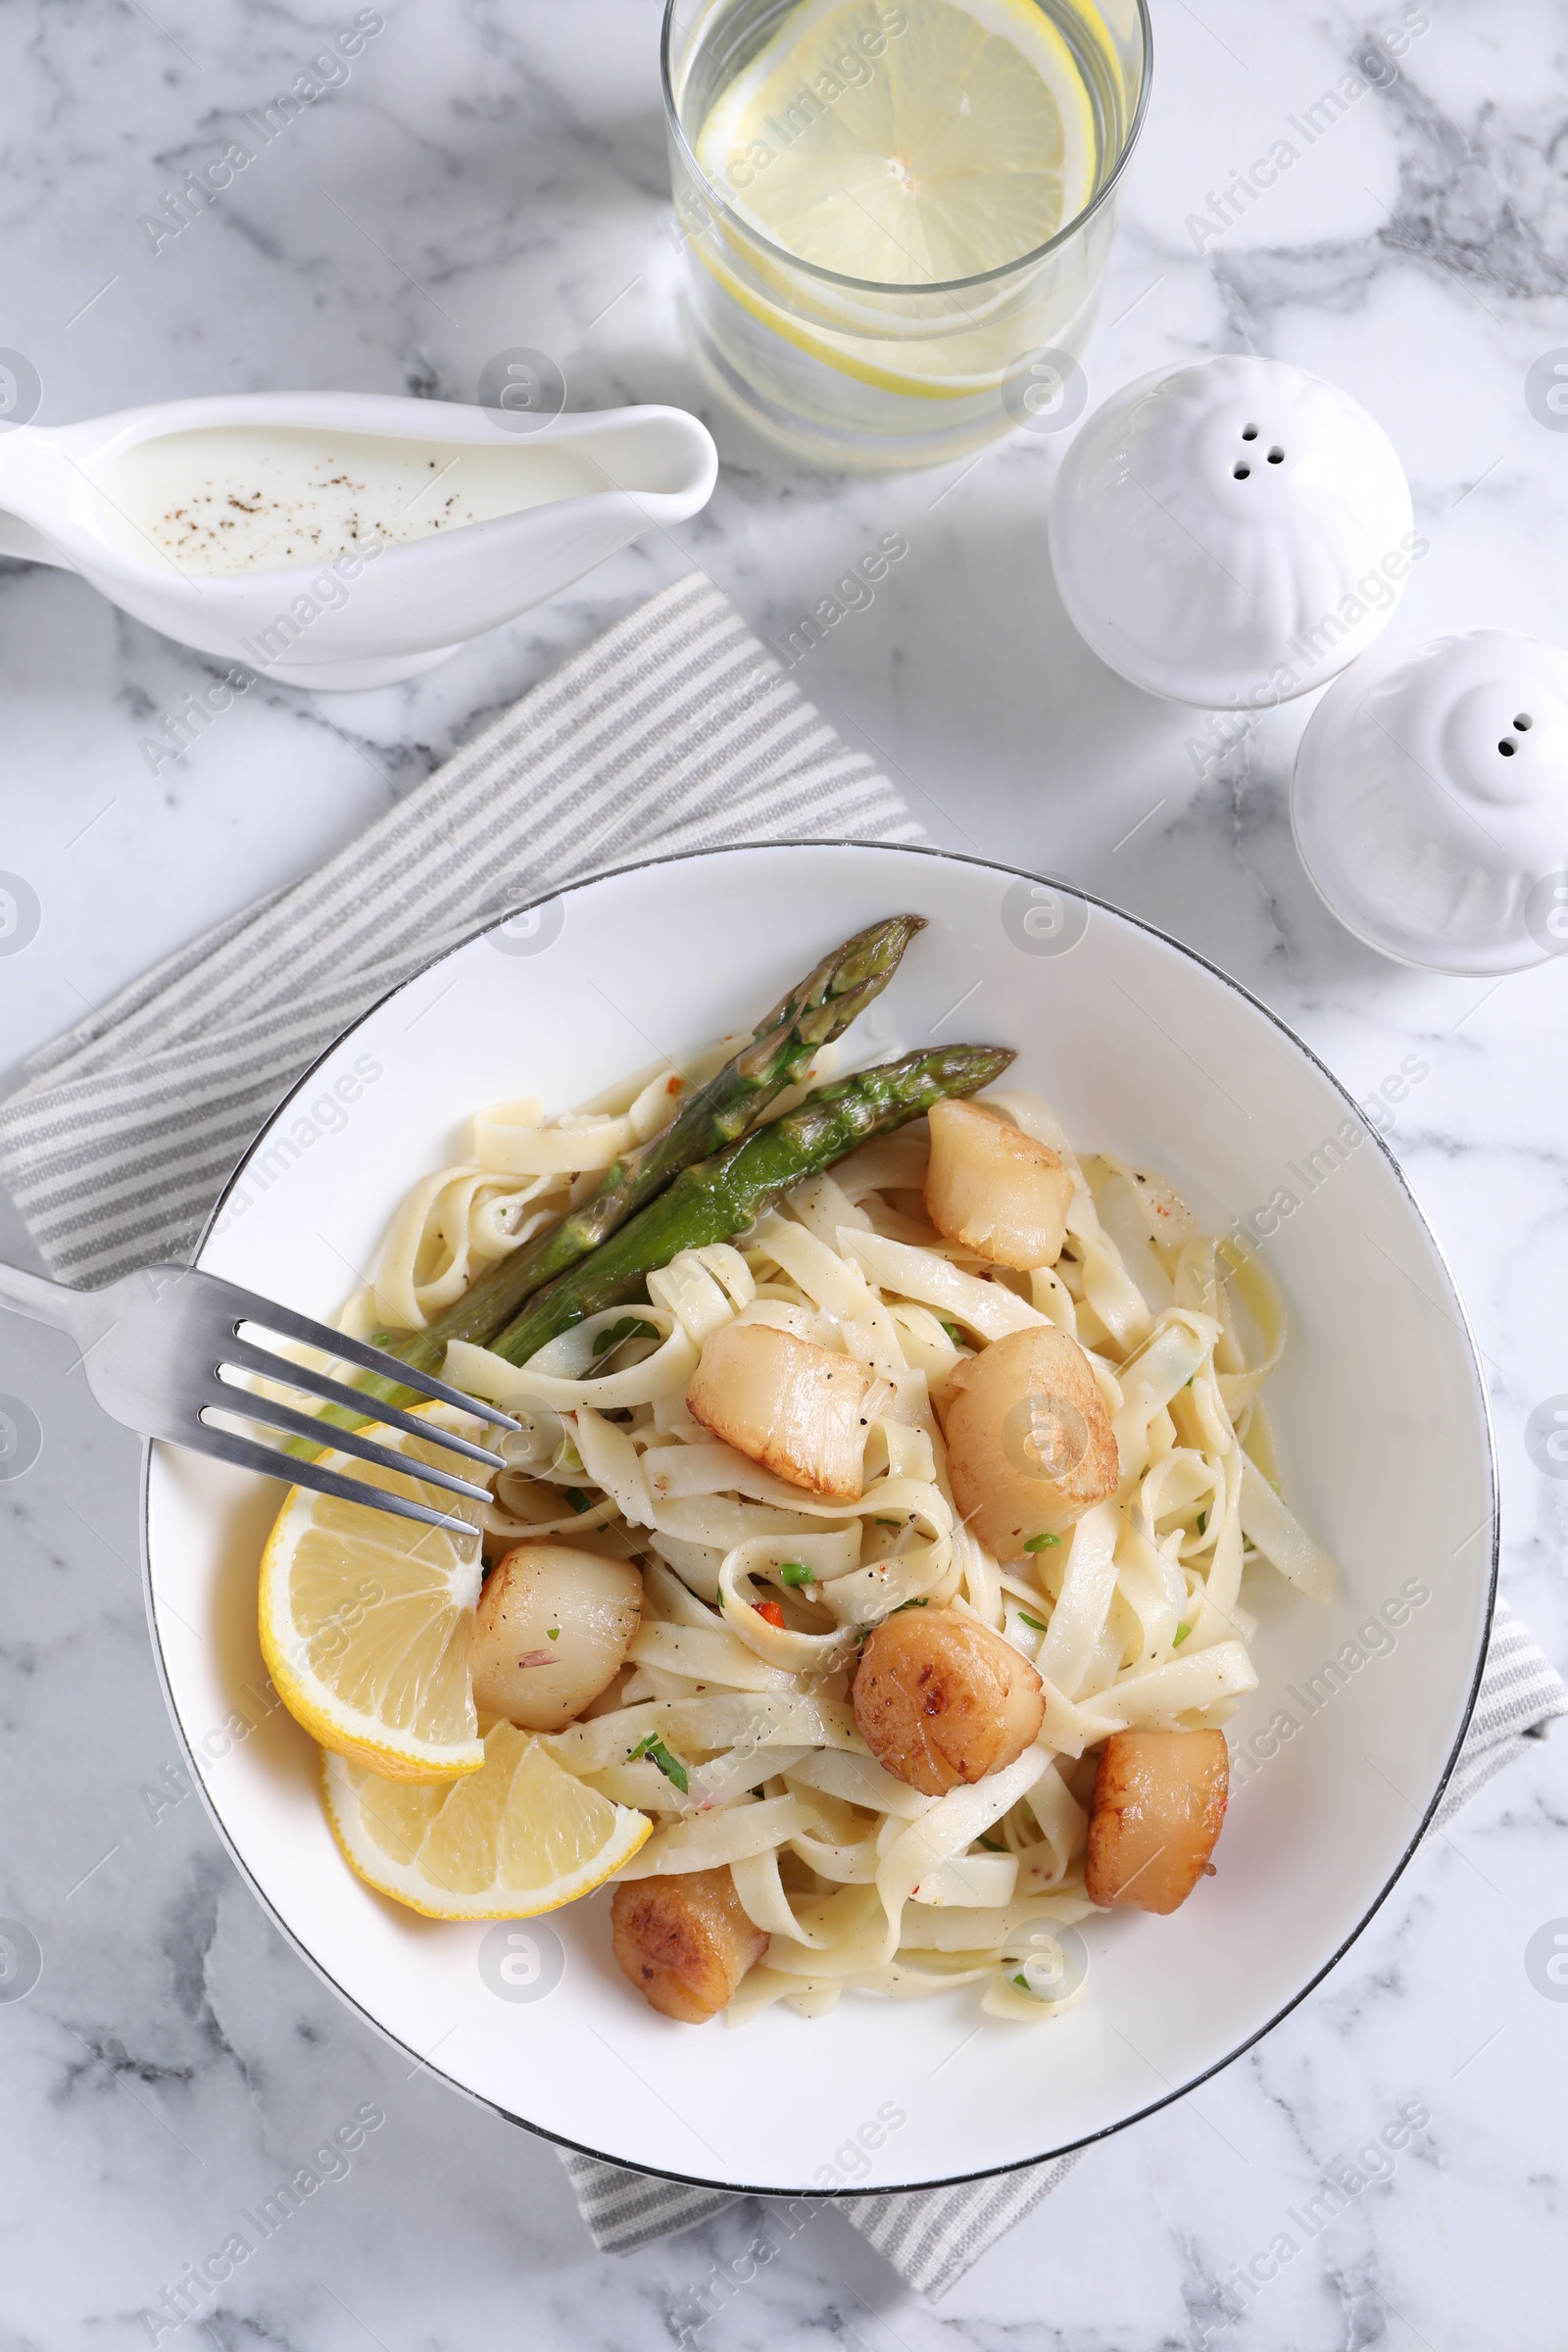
1202 1520
888 1523
1031 1621
906 1604
1040 1543
1182 1632
991 1845
1022 1983
630 1327
952 1332
795 1572
1187 1382
653 1748
553 1633
578 1499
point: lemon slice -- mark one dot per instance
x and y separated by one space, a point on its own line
520 1836
967 142
366 1621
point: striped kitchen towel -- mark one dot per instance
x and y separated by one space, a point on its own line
675 731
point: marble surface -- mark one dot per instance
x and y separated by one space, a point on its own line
492 172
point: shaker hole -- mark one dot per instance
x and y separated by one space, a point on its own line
1508 747
1276 455
1249 432
1522 722
1240 471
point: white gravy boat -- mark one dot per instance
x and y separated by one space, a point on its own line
369 536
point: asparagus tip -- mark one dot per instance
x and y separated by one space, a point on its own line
996 1058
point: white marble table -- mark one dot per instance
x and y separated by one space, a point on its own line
493 174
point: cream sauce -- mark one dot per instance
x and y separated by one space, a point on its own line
256 497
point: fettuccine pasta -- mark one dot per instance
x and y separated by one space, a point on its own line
732 1716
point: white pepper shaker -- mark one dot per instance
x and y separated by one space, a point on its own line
1231 533
1430 799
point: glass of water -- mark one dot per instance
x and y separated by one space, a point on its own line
896 214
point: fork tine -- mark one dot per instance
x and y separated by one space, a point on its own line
246 1454
246 1406
250 1358
283 1319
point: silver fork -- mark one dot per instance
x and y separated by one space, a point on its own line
156 1346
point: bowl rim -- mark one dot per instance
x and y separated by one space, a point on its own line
1166 2098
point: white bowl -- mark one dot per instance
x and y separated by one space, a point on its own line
1383 1429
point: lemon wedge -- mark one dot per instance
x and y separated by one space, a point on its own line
518 1837
965 144
366 1621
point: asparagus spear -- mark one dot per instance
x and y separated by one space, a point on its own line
817 1009
720 1197
820 1008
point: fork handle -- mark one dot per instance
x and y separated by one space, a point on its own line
45 1301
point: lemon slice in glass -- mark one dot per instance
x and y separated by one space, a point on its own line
964 145
366 1621
518 1837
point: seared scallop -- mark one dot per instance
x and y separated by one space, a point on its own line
684 1941
1030 1446
1159 1807
993 1189
941 1699
553 1629
785 1403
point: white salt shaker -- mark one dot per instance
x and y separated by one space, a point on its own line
1232 533
1430 799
